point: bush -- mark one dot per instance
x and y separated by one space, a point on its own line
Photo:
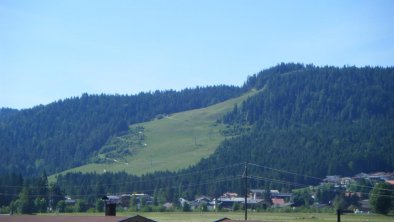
5 210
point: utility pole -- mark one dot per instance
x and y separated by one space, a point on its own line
246 190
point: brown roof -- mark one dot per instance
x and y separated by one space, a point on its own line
34 218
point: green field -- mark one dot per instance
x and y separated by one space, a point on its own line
171 143
285 217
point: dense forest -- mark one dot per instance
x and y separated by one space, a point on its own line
66 133
332 120
304 123
312 121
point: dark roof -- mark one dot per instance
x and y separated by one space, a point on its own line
222 220
225 219
41 218
137 218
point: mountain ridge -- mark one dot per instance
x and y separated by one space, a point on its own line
338 105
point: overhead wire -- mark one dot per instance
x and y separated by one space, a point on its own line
254 177
307 176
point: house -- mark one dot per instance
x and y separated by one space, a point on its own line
259 194
375 177
168 205
360 176
228 203
229 195
345 181
111 199
334 179
69 201
278 202
390 182
203 201
139 198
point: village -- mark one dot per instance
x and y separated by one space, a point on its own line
351 194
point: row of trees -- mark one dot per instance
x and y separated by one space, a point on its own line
28 195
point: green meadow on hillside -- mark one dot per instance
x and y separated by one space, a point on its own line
170 142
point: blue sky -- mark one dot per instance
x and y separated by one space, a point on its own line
52 50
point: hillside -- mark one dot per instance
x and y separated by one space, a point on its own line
171 142
307 120
68 133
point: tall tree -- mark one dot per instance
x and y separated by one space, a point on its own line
381 198
25 204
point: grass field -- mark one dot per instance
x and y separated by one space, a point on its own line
285 217
173 142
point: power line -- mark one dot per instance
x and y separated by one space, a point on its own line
284 171
198 184
277 181
307 176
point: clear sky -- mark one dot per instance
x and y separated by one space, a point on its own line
52 50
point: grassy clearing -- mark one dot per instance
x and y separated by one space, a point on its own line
173 142
285 217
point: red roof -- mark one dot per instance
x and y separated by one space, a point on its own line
278 201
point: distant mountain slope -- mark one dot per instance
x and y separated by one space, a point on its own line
304 121
316 121
66 133
171 142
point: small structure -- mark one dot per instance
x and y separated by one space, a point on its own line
137 218
168 205
70 201
110 205
223 219
229 220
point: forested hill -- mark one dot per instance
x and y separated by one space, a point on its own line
306 122
65 133
309 121
306 119
316 121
